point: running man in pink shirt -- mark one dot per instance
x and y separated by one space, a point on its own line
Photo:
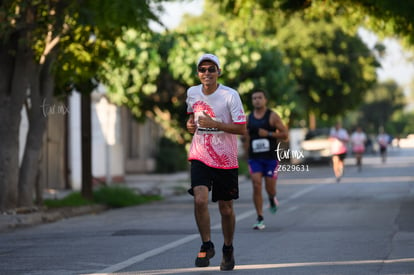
339 140
216 118
358 139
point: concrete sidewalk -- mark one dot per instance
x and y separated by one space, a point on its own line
165 185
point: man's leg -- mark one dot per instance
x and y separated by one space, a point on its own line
201 212
202 217
228 220
257 192
340 167
228 224
335 164
358 157
270 186
271 190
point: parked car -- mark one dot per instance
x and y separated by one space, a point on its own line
316 146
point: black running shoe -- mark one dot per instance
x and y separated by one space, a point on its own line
227 263
206 253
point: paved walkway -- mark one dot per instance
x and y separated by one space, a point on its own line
165 185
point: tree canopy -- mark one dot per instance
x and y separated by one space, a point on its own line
329 63
380 103
307 65
43 45
333 68
384 17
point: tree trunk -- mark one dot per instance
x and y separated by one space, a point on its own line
9 154
40 94
312 120
39 186
14 72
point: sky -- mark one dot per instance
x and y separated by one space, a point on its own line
175 10
394 65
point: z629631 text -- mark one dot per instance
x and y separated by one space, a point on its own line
292 168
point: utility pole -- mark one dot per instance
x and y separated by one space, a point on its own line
87 191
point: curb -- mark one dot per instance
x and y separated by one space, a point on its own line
164 185
9 222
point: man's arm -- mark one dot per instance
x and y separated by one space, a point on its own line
191 126
281 132
246 139
233 128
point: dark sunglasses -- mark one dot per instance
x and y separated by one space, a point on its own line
211 69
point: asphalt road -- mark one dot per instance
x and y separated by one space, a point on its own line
362 225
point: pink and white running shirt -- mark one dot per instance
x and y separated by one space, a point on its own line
215 148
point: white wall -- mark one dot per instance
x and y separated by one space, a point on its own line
75 141
24 128
296 136
107 148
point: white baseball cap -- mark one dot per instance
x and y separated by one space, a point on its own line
209 57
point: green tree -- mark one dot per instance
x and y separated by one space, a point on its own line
41 39
384 17
401 124
333 68
152 75
381 103
138 77
250 58
247 64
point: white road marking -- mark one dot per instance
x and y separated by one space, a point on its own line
141 257
272 267
301 193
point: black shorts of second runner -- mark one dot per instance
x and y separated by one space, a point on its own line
224 183
341 156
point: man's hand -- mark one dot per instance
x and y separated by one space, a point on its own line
263 132
206 121
191 126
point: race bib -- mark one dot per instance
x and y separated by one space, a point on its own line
260 145
202 130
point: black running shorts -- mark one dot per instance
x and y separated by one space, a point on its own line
224 183
341 156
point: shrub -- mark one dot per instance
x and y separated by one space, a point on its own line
119 196
73 199
171 157
112 196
